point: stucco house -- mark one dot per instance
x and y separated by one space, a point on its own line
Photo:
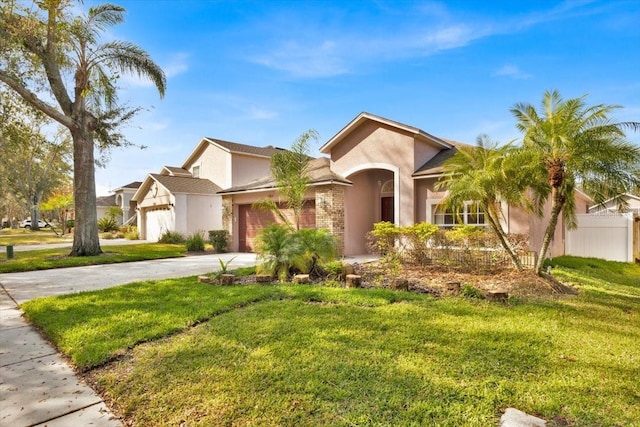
376 169
123 196
184 199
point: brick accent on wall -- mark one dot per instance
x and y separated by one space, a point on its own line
330 211
227 216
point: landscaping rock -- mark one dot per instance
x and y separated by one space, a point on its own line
499 296
205 279
400 285
353 281
301 278
263 278
452 288
227 279
513 417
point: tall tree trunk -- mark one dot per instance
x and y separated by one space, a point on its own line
494 222
85 238
557 202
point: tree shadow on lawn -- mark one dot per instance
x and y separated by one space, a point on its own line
386 364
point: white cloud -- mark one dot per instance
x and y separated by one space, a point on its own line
316 51
513 71
177 65
261 113
317 59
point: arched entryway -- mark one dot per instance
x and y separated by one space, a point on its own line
372 198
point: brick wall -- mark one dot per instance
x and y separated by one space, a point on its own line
330 211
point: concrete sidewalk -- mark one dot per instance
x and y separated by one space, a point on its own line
37 386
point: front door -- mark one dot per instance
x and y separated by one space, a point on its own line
386 209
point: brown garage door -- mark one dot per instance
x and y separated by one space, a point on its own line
251 221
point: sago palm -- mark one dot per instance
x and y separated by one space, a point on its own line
578 146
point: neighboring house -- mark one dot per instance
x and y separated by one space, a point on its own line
184 199
610 206
376 170
123 200
103 204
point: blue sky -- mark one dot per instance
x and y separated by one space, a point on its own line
263 72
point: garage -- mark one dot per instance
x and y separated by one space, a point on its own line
157 221
252 220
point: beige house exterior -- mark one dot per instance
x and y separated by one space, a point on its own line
184 199
376 169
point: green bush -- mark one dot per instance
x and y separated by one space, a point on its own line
171 237
276 248
107 224
334 270
470 291
131 233
219 240
195 242
315 247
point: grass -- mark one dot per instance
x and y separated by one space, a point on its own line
58 258
24 236
309 355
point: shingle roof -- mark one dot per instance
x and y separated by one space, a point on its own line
319 172
186 185
177 171
134 184
106 201
235 147
434 165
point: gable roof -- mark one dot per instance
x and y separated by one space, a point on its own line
433 166
625 196
106 201
319 172
186 185
232 148
364 116
176 185
174 171
132 186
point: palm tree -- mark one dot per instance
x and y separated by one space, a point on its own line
57 48
577 146
487 174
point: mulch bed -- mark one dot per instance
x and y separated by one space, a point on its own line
433 279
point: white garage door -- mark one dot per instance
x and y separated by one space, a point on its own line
158 221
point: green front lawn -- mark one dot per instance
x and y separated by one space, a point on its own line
184 352
24 236
58 258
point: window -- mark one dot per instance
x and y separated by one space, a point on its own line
470 215
195 171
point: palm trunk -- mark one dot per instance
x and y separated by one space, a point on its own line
557 202
494 223
85 238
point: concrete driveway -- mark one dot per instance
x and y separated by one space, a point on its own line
37 386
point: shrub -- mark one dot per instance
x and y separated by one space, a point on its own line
107 224
384 236
131 233
315 247
171 237
195 242
470 291
219 240
276 247
334 270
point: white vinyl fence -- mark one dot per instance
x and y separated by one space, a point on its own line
609 237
